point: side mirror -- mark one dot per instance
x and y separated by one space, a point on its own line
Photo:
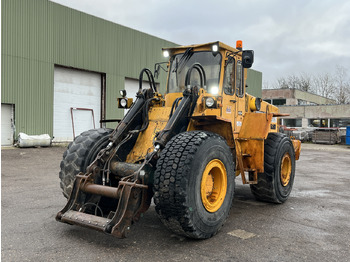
247 58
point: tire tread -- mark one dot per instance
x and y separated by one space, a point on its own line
170 182
265 190
74 158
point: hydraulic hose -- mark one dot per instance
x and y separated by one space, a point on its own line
150 79
201 72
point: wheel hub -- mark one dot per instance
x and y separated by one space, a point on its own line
286 169
213 185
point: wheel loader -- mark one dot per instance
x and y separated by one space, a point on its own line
183 148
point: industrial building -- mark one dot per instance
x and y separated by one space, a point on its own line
62 69
55 58
292 97
308 110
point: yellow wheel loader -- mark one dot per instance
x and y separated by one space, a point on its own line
183 149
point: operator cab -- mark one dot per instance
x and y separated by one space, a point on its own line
213 58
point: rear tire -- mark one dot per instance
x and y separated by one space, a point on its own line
275 184
79 154
194 184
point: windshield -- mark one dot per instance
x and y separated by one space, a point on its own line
182 62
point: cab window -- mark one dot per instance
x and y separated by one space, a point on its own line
228 77
239 79
181 63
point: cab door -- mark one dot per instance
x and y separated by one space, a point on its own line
229 89
239 96
233 93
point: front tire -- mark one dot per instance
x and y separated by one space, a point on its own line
79 154
194 184
276 183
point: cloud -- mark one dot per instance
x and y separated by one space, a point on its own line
288 37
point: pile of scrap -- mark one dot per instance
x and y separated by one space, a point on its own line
326 136
297 133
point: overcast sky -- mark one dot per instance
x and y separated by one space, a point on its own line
288 37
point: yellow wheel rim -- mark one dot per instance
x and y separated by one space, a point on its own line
213 185
286 169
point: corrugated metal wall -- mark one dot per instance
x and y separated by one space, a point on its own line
36 35
254 82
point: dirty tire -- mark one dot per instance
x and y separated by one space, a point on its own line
177 184
79 154
270 186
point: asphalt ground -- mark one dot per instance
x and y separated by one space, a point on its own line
313 225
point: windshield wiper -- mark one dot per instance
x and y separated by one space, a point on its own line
185 57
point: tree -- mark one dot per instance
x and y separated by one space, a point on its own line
282 83
333 86
301 82
324 85
304 82
343 85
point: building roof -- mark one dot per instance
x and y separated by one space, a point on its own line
296 94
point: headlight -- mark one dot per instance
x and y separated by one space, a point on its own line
209 102
166 53
123 102
122 93
214 90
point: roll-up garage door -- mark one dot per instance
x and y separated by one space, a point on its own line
77 102
7 124
132 87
